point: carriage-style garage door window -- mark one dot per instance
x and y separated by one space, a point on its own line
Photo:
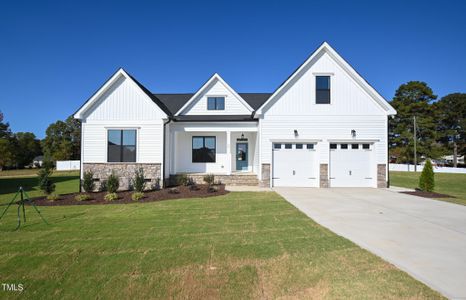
203 149
121 145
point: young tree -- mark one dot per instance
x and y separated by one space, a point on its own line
451 123
413 99
426 180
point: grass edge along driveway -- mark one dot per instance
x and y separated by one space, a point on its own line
241 245
445 183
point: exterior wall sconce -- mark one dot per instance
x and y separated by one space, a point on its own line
296 133
353 133
242 135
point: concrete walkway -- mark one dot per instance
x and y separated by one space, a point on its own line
426 238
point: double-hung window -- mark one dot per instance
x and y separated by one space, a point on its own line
322 89
121 145
215 103
204 149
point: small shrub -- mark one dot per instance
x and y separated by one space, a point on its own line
157 184
190 181
426 180
209 179
194 187
103 186
212 189
88 182
218 182
139 182
111 197
113 183
82 197
45 183
52 197
137 196
182 179
173 190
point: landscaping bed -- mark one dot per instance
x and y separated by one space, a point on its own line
125 197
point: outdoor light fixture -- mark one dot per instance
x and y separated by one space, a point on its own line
242 135
295 133
353 133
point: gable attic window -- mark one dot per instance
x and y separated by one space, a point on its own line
322 89
121 145
215 103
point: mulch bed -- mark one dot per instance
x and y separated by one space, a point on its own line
428 194
125 197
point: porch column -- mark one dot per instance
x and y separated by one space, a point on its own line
228 152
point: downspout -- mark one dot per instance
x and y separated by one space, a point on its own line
388 152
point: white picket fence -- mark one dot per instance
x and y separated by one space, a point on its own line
410 168
68 165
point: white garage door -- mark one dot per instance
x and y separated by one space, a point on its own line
351 165
294 165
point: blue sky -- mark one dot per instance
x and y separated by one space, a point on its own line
55 54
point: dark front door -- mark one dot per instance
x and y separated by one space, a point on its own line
241 156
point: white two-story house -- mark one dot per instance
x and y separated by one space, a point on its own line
325 126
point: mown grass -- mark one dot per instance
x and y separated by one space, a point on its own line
66 182
237 246
445 183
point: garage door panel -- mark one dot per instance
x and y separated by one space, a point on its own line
351 167
294 167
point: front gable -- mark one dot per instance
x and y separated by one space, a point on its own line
121 98
215 87
350 94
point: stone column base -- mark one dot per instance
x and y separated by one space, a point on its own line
324 176
381 176
265 179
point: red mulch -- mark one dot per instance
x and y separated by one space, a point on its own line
428 194
125 197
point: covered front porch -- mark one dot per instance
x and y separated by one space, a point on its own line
213 148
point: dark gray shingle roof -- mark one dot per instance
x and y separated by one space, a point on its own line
176 101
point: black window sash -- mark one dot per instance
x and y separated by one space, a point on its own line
122 146
214 149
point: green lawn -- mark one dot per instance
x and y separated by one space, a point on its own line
241 245
445 183
66 182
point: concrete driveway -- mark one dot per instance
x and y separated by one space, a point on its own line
426 238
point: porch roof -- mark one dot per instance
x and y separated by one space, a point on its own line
214 118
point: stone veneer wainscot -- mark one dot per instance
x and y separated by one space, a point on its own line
125 171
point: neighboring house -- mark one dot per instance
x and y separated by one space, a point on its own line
38 161
325 126
448 159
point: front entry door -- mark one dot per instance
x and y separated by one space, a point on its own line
242 156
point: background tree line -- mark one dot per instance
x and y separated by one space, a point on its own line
441 125
17 150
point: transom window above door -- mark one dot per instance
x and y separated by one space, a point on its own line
215 103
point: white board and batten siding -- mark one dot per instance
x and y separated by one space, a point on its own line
351 108
123 106
233 105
